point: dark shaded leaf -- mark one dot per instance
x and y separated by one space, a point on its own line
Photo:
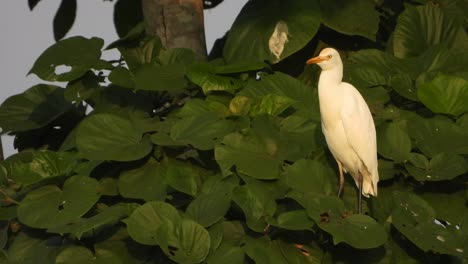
337 15
64 18
127 14
271 30
35 108
415 219
69 59
32 4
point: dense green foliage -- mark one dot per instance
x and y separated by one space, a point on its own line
160 158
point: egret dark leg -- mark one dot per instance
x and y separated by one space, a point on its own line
340 169
360 180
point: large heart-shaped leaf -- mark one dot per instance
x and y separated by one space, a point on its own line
257 202
329 213
309 176
443 166
110 137
393 142
108 216
421 27
35 108
78 195
445 94
69 59
415 219
184 241
39 166
28 249
442 133
145 221
271 30
146 182
283 85
208 209
250 154
338 14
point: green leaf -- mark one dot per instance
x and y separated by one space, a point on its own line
271 30
337 15
146 182
185 177
64 18
421 27
109 137
257 203
108 186
138 52
445 94
28 249
227 254
309 176
271 104
35 108
262 250
208 209
404 86
78 195
441 132
127 14
443 166
204 76
440 202
293 220
283 85
415 219
202 131
329 213
153 77
82 88
108 216
41 165
393 142
68 59
250 154
145 221
184 241
75 255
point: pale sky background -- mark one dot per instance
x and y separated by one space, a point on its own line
24 35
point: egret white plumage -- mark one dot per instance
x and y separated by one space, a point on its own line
347 125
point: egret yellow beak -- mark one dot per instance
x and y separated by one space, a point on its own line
317 59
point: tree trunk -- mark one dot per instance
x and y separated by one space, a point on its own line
179 23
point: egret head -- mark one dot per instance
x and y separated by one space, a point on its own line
327 59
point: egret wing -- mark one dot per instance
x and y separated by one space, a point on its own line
360 132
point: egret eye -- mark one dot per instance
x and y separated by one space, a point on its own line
329 56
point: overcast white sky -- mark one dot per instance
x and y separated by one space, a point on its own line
24 35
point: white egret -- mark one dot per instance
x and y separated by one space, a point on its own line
347 125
